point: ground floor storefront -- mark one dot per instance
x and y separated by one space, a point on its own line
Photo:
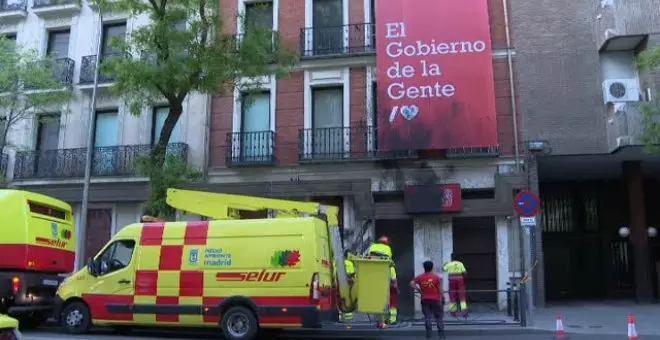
375 201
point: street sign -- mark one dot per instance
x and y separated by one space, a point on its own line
526 204
528 221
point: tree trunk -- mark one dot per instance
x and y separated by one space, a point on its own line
158 190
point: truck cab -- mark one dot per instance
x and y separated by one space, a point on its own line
38 232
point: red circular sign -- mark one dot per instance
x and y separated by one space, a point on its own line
526 204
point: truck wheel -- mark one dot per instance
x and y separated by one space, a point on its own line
76 318
239 323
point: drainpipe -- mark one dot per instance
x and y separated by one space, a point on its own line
512 87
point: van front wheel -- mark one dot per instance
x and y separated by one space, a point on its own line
239 323
76 318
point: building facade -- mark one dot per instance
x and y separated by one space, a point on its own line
312 135
580 96
48 155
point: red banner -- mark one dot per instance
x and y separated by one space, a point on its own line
435 75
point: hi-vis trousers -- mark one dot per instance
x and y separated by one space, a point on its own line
457 300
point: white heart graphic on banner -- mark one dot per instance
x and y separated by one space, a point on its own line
409 112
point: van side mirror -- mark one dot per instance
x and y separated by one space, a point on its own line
91 267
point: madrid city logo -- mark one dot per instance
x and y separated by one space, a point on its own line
193 256
409 112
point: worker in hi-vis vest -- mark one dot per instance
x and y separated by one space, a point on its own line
350 273
457 274
381 249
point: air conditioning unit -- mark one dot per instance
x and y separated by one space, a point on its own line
621 90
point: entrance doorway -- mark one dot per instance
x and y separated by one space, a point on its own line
98 230
475 245
400 233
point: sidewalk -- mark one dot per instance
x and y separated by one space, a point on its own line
599 318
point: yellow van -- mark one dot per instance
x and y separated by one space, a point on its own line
240 274
38 232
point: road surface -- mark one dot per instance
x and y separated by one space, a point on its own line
210 335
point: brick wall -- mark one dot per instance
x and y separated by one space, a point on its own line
558 74
290 95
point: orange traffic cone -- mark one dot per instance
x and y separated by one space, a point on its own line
632 332
559 329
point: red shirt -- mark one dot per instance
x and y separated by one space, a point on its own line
429 284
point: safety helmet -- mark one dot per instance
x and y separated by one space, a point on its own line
384 240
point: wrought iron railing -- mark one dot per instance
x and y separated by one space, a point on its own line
4 163
87 68
46 3
337 40
70 163
250 148
62 70
339 143
17 5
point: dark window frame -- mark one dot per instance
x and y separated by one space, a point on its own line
10 36
112 248
243 107
268 3
51 33
40 126
100 112
104 36
154 117
327 87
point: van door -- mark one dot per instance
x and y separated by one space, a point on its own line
110 295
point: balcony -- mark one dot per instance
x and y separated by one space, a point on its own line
4 163
12 10
337 144
62 69
112 161
346 40
250 148
87 69
55 8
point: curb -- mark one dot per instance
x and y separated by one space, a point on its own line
413 332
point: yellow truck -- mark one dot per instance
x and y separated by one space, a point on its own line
242 276
37 240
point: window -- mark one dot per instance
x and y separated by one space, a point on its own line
256 139
374 117
111 31
58 44
259 14
10 36
3 125
159 116
47 210
48 132
328 120
105 129
117 256
327 20
105 137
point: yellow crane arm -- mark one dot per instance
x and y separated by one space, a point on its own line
225 206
